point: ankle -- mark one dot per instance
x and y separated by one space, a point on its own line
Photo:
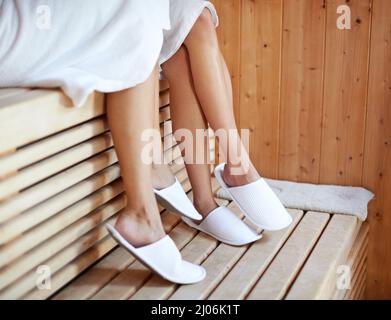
204 207
235 176
139 228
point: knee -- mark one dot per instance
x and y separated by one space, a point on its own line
204 31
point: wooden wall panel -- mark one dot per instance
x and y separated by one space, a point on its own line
377 168
345 89
229 12
315 97
302 88
260 80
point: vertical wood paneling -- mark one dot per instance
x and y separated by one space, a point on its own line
345 89
302 88
305 94
377 167
229 38
260 80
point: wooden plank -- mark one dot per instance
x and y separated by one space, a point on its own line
318 276
56 184
58 243
229 40
40 113
260 80
301 90
217 265
51 145
54 164
345 92
251 266
360 273
279 276
45 230
163 85
164 98
377 173
74 268
359 283
60 258
357 255
47 209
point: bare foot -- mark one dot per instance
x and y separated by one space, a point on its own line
236 180
137 229
162 177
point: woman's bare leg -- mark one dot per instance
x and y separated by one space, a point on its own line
130 112
162 176
186 113
210 77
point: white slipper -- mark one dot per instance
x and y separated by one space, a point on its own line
174 199
164 258
223 225
258 202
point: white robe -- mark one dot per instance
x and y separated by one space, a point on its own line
183 15
102 45
90 45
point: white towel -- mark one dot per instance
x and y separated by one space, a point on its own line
322 198
80 46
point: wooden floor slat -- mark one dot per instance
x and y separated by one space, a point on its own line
276 280
247 271
318 276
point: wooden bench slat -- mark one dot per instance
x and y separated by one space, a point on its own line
251 266
217 264
46 252
276 280
39 113
47 209
68 251
36 114
54 164
61 141
357 254
74 268
55 184
51 145
45 230
318 277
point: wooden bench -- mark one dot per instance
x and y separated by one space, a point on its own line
60 182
